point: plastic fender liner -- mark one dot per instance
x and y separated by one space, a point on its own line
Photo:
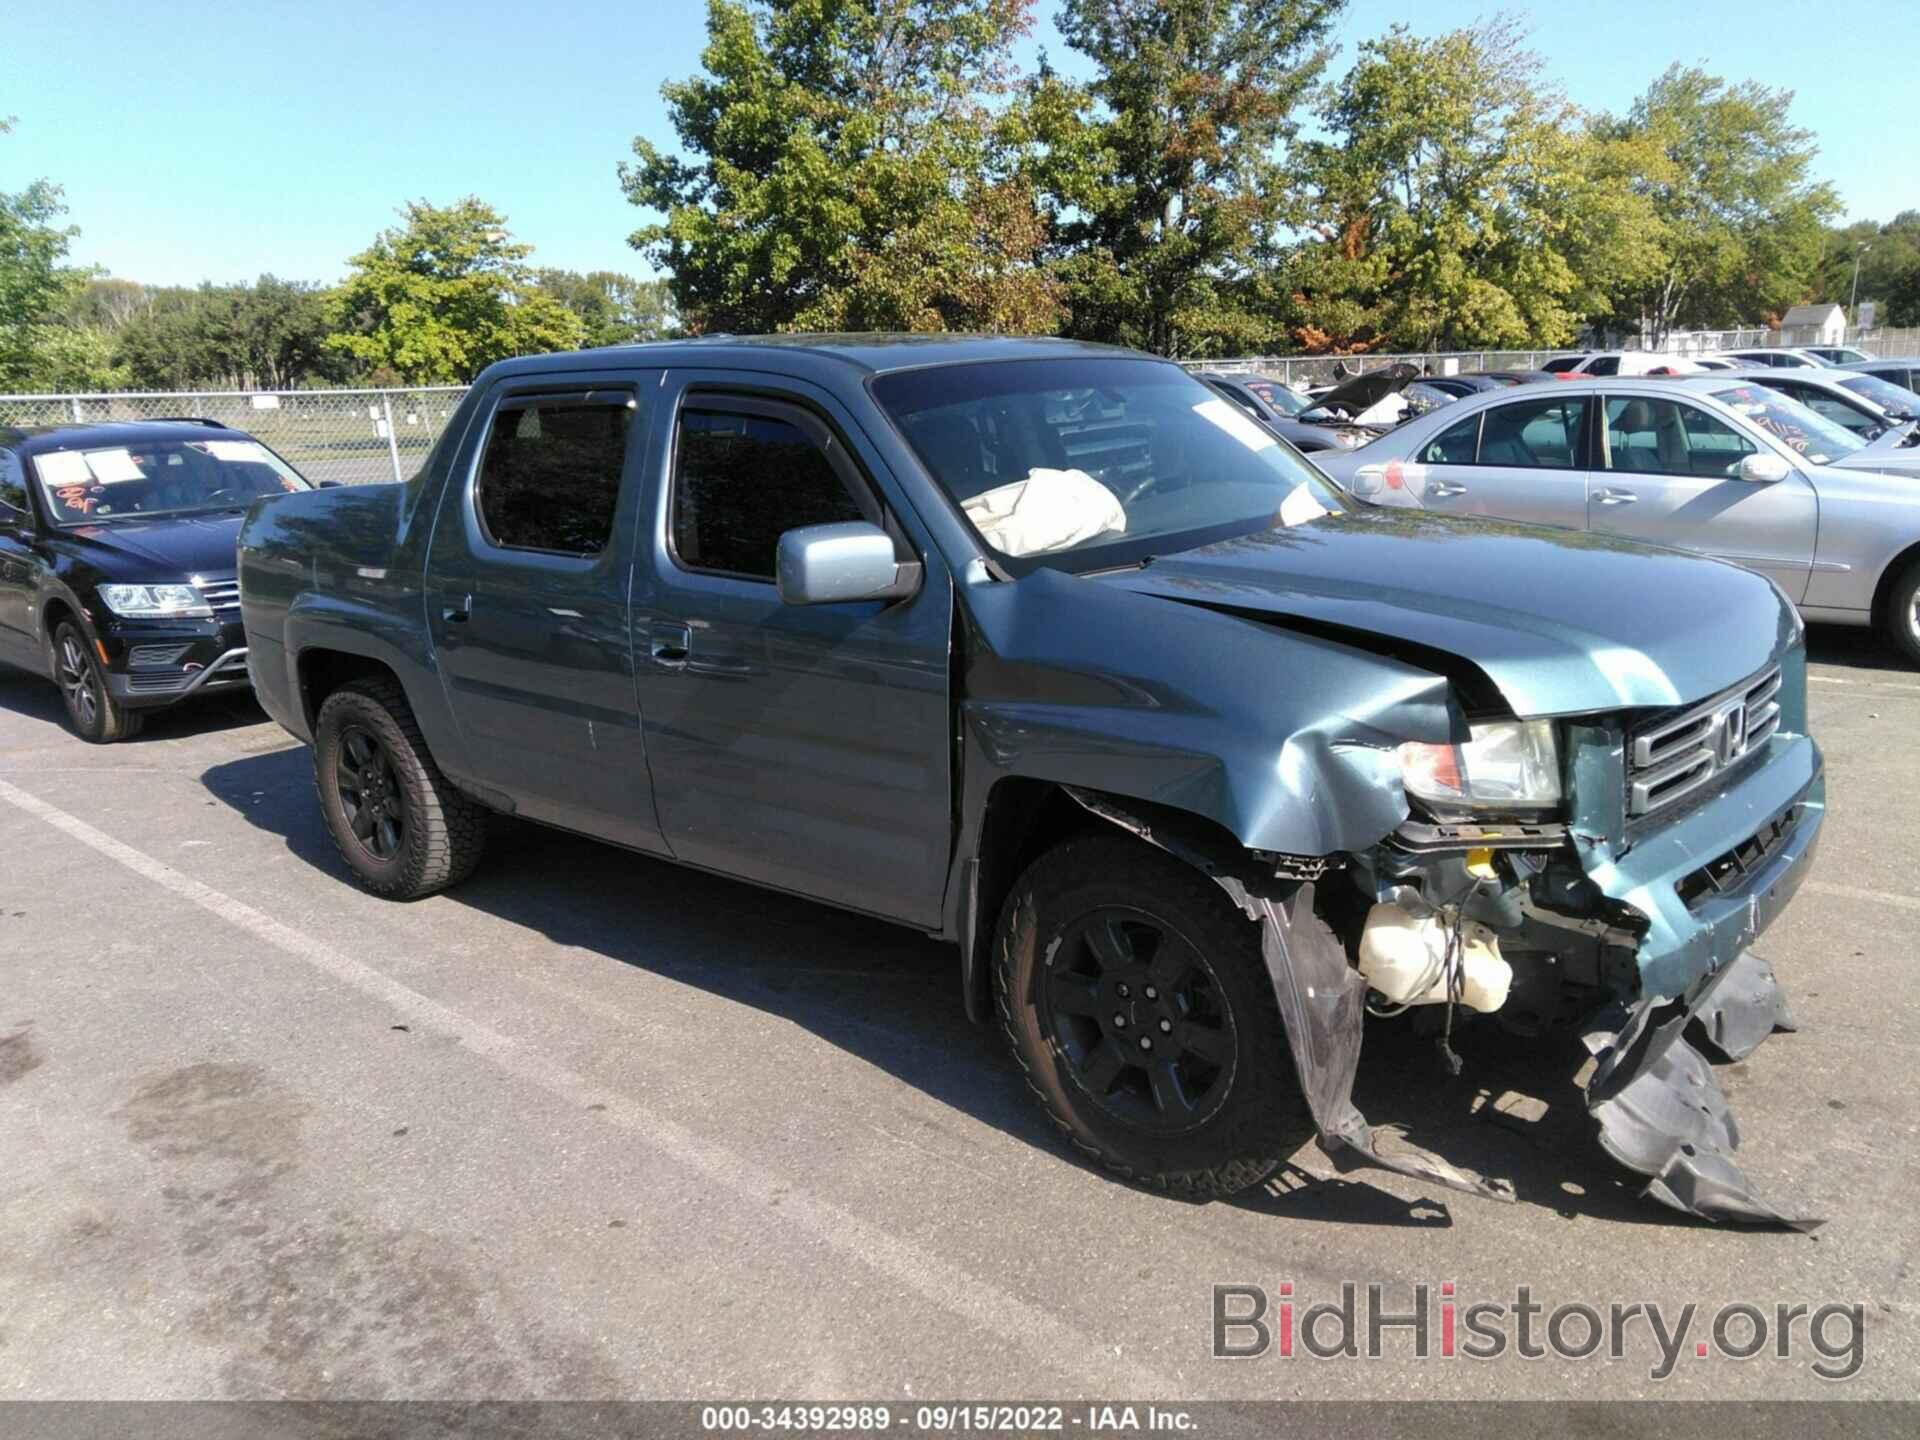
1322 1001
1660 1109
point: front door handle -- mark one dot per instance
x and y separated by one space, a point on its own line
670 645
1445 489
1615 497
458 614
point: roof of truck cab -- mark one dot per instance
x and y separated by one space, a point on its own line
871 354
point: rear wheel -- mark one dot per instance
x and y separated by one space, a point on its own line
1900 621
398 822
1134 995
96 715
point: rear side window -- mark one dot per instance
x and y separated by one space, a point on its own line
1535 434
742 480
550 477
1605 365
1561 363
1455 445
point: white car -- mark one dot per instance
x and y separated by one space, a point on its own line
1621 362
1778 357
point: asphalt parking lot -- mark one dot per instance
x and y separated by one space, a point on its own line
595 1126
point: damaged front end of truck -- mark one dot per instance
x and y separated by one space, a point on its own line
1622 901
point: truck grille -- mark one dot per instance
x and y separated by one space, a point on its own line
222 596
1679 755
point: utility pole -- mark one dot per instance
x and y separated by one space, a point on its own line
1853 296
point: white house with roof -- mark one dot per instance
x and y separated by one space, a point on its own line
1814 325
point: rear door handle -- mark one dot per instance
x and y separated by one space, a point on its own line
458 614
1445 489
670 645
1615 497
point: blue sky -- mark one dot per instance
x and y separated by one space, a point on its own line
200 141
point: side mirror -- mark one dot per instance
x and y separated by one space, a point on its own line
1761 468
830 564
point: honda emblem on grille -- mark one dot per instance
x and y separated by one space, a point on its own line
1729 736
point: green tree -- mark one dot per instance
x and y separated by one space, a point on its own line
1460 202
271 335
1743 219
845 165
35 281
614 309
443 296
1170 195
1887 253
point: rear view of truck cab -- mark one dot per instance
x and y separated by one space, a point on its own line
1051 651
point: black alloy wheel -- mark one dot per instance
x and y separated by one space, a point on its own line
370 795
1138 1017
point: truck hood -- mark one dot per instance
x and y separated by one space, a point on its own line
1560 622
161 549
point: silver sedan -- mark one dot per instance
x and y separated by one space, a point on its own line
1711 463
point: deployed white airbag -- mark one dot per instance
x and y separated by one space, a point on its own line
1049 510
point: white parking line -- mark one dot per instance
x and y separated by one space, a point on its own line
1050 1339
1855 892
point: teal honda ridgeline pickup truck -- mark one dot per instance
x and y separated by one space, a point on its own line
1045 649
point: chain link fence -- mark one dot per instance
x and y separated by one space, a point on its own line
352 436
362 436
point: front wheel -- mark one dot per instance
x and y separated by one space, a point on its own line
1134 996
1900 620
96 715
400 825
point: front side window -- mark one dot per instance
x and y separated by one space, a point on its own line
1665 437
1539 434
172 477
1081 463
1605 365
741 480
1831 408
1790 422
13 490
1560 364
550 476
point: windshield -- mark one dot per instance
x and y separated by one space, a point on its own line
1790 422
1896 400
148 478
1283 398
1087 463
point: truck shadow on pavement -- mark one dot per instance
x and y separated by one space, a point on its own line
892 997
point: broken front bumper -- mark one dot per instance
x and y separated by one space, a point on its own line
1660 1109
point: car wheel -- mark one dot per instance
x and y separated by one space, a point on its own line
1900 621
400 825
96 715
1134 995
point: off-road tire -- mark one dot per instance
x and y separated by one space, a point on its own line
1263 1117
443 832
1900 614
97 717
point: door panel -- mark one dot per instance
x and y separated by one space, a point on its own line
1665 476
20 567
534 644
806 747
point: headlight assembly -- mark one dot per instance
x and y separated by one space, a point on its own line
155 601
1506 763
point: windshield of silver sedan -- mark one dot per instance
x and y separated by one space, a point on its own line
1085 463
1790 422
150 478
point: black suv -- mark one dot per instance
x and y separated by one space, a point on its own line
117 562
